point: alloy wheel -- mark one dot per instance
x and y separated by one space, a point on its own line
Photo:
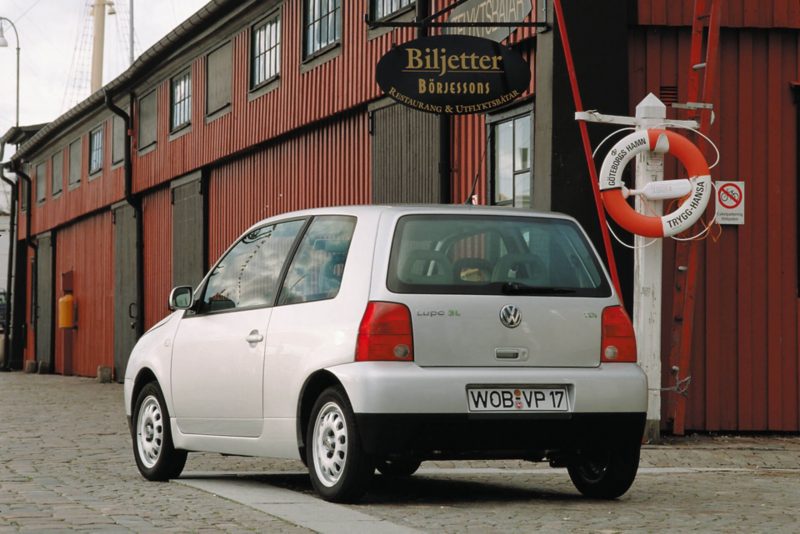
150 431
330 444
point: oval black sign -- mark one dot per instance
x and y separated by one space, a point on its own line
454 74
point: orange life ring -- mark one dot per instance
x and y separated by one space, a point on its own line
663 141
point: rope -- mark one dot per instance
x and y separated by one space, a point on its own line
681 388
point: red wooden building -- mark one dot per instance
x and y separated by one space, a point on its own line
254 108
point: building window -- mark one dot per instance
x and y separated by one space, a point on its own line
218 79
96 151
384 8
23 186
41 183
148 120
511 161
118 140
323 24
58 181
182 100
75 164
266 51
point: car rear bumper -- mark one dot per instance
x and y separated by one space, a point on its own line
405 388
520 436
402 408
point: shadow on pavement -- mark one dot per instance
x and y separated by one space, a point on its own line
418 489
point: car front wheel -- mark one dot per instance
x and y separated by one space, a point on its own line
340 469
155 454
604 474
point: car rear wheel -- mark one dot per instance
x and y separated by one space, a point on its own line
340 469
155 454
398 468
604 474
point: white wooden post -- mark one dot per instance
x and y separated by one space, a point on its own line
650 113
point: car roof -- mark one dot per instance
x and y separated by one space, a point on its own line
414 209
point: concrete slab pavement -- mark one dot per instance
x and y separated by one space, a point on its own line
66 464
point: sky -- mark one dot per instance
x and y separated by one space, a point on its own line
51 49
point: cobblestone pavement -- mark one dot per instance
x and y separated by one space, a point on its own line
66 463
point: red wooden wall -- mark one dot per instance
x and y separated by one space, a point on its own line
745 370
87 248
327 166
735 13
341 84
89 196
157 210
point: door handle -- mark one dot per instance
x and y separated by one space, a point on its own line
254 337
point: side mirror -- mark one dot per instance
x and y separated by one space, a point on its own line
181 298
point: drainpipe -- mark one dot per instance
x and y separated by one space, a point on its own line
28 186
127 164
10 276
137 210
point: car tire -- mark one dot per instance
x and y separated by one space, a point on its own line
398 468
604 474
155 454
340 469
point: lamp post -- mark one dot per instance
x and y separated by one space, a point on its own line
4 44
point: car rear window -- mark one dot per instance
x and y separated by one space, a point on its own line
493 255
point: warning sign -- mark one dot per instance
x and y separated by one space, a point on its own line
730 202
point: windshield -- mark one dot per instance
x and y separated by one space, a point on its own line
493 255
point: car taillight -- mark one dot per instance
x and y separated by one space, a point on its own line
385 334
619 341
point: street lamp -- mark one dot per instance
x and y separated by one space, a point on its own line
4 44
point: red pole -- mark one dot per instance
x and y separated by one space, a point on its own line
612 265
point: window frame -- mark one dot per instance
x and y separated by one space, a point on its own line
141 150
411 6
53 193
185 74
116 163
43 180
309 57
212 115
76 183
492 122
200 293
93 134
275 16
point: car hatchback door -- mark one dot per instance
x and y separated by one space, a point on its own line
218 353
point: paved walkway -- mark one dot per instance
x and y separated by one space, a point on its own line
66 463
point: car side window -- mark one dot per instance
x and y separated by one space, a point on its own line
317 268
248 275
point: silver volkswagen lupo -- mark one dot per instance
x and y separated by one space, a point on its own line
377 337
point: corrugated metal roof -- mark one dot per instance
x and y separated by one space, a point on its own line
20 134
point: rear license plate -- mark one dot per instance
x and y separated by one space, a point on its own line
518 400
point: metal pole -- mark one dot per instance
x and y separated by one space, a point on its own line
422 12
444 159
131 30
99 13
16 34
12 211
444 122
17 124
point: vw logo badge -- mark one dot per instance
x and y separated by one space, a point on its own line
510 316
